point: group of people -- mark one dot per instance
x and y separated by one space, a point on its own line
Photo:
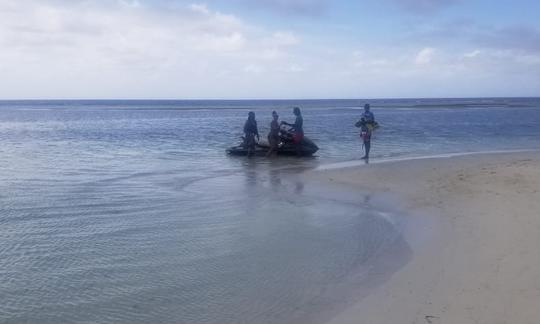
366 124
251 132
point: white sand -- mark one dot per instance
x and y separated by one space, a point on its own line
479 261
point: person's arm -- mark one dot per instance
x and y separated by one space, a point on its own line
296 124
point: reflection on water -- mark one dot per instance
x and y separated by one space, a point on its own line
256 246
299 257
275 178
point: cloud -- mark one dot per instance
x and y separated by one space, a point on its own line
523 38
104 49
255 69
519 38
446 72
85 37
181 49
283 39
424 6
472 54
425 56
293 7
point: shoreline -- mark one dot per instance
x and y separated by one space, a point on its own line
358 163
475 260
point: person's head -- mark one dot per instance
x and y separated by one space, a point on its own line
251 115
366 107
296 111
275 115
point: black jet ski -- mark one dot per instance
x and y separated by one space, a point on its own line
285 147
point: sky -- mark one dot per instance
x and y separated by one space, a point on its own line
268 49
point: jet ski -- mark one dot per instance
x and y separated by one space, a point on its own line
285 147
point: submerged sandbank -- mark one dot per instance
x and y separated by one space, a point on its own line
480 262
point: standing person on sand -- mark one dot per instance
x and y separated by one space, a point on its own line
250 131
273 136
298 130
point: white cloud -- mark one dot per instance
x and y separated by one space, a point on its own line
254 68
283 39
98 49
291 7
200 8
294 68
472 54
219 43
121 48
425 56
130 3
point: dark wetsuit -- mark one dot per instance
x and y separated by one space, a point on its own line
365 134
250 131
273 136
298 129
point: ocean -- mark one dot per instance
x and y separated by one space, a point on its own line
131 212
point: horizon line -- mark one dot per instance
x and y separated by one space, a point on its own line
264 99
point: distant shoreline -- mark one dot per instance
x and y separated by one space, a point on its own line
267 99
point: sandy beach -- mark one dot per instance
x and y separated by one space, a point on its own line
474 229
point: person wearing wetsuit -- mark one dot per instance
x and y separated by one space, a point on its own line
297 129
250 131
366 124
273 136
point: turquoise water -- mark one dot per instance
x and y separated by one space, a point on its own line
130 211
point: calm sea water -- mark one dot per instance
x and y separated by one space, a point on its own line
130 211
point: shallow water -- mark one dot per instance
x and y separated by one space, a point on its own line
131 212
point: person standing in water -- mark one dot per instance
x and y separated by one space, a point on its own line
297 129
250 131
366 124
273 136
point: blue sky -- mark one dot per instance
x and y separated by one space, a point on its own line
219 49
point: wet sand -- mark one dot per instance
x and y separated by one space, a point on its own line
474 230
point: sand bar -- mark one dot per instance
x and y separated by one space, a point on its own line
478 259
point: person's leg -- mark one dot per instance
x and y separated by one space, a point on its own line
298 144
250 145
272 144
276 147
269 147
367 145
